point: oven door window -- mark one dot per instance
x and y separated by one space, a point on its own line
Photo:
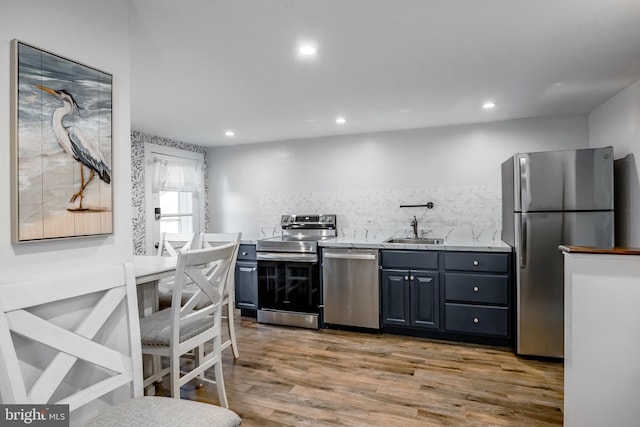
288 286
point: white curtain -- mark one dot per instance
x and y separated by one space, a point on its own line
176 175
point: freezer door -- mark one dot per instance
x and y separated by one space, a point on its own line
540 273
564 180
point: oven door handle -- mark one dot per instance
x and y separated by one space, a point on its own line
350 256
280 256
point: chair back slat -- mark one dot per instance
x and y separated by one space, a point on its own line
62 363
78 316
57 287
214 239
172 243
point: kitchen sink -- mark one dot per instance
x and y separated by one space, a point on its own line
419 241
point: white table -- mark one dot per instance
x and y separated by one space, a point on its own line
148 271
149 268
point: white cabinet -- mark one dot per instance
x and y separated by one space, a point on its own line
602 340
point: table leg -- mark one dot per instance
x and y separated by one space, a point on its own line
148 304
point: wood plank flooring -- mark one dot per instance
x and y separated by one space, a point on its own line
298 377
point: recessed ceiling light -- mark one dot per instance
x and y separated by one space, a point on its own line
489 105
229 133
307 50
341 120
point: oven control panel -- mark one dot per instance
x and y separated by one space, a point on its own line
308 221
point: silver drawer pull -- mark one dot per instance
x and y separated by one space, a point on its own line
475 289
475 262
406 277
245 253
412 278
476 320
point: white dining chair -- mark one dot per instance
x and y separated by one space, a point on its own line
229 299
183 329
170 244
74 339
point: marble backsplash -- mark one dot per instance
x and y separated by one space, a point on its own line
459 212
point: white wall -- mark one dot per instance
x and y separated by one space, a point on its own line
617 123
95 33
438 158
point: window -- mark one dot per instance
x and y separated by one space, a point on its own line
176 211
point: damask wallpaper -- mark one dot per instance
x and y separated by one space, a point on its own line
138 141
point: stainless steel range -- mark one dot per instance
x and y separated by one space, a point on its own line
289 272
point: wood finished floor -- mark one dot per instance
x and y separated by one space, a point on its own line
298 377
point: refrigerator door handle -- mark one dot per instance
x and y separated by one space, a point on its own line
522 188
523 243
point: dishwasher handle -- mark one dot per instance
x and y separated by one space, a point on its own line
330 255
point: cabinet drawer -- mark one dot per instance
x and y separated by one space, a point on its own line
477 319
419 260
247 252
476 261
476 288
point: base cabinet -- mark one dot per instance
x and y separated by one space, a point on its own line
246 278
447 294
410 297
477 294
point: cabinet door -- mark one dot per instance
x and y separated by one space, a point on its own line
246 277
425 300
395 297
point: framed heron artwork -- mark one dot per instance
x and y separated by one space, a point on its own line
61 147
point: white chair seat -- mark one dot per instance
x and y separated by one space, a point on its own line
164 411
156 328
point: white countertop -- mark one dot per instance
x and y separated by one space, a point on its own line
250 240
377 243
449 245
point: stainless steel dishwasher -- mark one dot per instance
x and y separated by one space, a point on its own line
351 287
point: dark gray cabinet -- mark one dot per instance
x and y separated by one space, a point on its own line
246 278
477 293
395 297
410 295
425 299
454 295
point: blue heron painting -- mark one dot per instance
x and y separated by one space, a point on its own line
63 139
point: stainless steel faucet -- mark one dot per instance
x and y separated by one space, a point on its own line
414 224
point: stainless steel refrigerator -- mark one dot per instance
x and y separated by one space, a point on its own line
549 199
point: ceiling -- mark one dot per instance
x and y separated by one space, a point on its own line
202 67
